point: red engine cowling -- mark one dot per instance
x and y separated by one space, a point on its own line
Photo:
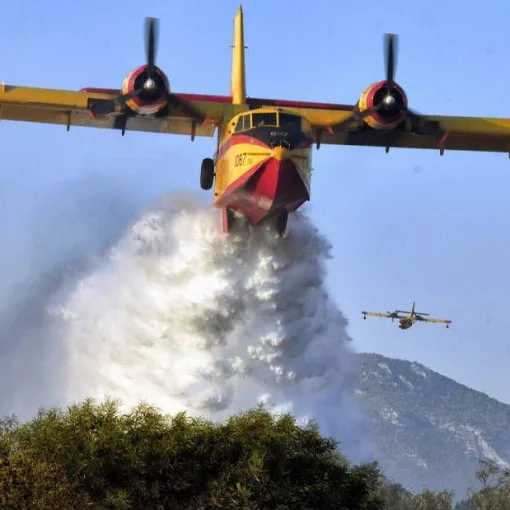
148 102
387 117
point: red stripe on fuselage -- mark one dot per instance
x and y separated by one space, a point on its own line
238 183
268 189
236 140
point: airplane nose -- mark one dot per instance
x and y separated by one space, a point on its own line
280 153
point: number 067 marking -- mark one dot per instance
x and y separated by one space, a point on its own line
240 159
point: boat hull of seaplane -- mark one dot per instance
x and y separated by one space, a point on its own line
262 177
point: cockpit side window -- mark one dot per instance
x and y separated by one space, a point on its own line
240 124
243 123
264 119
290 121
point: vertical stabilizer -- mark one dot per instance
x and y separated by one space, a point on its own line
238 79
412 308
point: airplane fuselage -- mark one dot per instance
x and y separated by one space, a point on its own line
263 166
405 323
408 320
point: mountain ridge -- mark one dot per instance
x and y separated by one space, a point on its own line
429 430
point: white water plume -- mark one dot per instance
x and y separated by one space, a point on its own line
184 317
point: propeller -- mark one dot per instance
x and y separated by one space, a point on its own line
392 315
151 27
390 56
152 87
389 102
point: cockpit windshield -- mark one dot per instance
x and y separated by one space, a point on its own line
290 121
273 119
264 119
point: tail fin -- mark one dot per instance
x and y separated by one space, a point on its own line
413 308
238 79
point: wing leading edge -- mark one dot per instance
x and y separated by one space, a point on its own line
437 321
380 118
385 315
336 124
454 133
73 108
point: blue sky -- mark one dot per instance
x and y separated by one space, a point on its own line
405 225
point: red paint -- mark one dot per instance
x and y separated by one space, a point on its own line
190 97
370 101
256 102
131 84
93 90
237 139
206 98
266 190
238 183
252 101
443 138
224 220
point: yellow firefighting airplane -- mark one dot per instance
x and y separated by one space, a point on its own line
406 321
262 166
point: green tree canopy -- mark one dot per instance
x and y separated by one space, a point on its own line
495 491
396 497
94 456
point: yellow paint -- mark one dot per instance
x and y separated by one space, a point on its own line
238 78
240 158
407 320
61 107
279 153
236 161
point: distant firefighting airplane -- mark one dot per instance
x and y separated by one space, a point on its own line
406 321
261 170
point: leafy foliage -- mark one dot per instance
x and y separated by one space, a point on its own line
396 497
93 456
495 491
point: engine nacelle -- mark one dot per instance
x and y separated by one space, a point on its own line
387 117
148 102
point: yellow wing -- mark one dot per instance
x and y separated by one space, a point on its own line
378 314
144 102
331 124
339 124
440 321
451 133
381 118
73 108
